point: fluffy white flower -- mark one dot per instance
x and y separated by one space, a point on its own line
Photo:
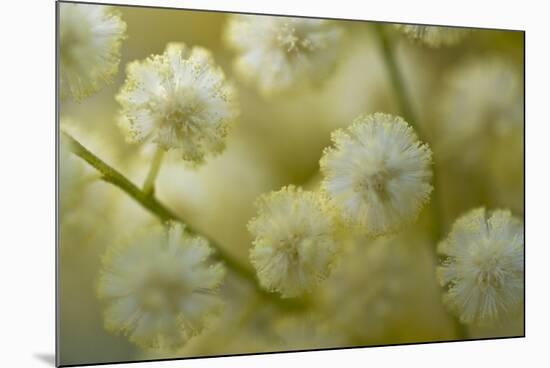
294 242
483 268
378 173
159 287
179 100
483 98
89 47
383 291
434 36
480 129
277 53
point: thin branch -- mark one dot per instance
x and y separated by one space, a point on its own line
396 78
149 184
150 203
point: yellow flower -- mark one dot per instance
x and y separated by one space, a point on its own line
179 100
278 53
483 269
294 243
433 36
160 288
378 173
89 48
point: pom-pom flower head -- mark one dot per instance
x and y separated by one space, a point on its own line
433 36
483 268
378 173
377 279
278 53
160 288
89 47
180 100
294 242
483 98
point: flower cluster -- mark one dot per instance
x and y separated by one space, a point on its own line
178 100
89 48
278 53
483 268
378 173
433 36
160 287
294 242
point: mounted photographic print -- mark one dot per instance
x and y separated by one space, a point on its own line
246 183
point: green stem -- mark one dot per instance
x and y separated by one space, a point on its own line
461 330
149 184
407 110
150 203
395 75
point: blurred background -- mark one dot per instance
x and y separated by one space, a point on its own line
383 291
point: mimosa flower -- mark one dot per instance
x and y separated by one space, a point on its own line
160 287
483 269
483 98
294 242
278 53
481 127
89 47
434 36
368 295
378 173
179 100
